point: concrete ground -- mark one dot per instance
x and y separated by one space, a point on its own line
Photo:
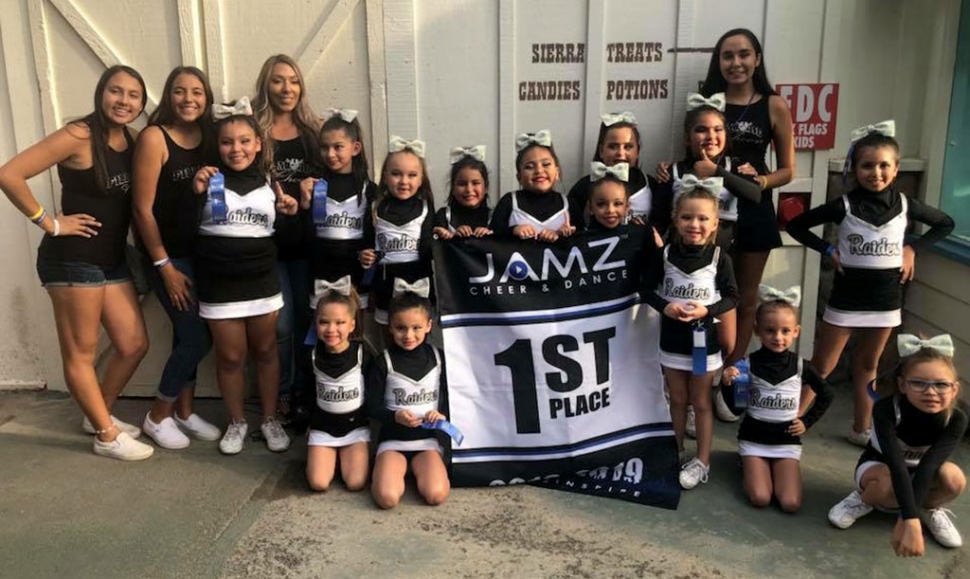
66 513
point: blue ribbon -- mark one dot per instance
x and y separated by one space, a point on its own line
368 278
699 353
320 202
740 385
311 336
446 427
217 199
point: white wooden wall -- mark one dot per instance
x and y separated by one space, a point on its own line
450 73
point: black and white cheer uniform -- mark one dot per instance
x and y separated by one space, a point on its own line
774 396
871 236
454 215
110 205
913 444
292 163
700 273
542 211
643 203
411 380
347 230
403 233
236 261
736 187
750 131
340 416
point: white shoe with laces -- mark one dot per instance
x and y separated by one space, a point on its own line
123 447
859 438
235 437
693 473
132 430
691 427
165 433
198 427
942 528
276 438
722 410
849 510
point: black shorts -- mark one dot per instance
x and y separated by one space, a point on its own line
757 228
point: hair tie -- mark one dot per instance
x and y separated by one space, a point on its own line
398 144
458 153
422 287
908 344
792 295
542 138
712 185
599 170
610 119
348 115
241 108
697 100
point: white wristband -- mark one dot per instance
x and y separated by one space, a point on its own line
57 229
161 262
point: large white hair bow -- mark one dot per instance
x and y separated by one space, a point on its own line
696 100
908 344
599 170
542 138
792 295
398 144
242 107
422 287
458 153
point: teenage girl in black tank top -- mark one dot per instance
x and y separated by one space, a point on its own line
81 260
283 111
169 153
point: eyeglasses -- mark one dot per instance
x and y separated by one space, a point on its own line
922 385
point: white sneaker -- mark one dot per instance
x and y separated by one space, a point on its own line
276 438
691 427
722 410
232 441
165 434
848 511
693 473
132 430
859 438
123 447
942 528
198 427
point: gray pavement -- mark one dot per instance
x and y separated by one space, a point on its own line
66 513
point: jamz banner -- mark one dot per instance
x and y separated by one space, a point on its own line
553 367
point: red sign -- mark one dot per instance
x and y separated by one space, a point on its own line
813 111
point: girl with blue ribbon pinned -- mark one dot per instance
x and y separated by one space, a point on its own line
906 465
693 284
873 259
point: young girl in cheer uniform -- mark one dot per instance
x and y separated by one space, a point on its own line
693 284
342 228
905 464
537 211
406 389
467 212
239 289
403 223
291 130
168 154
339 427
81 260
872 260
780 391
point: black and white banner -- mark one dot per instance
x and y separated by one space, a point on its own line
553 367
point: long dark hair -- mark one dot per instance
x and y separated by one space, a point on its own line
715 82
98 125
165 113
604 130
690 119
359 165
467 162
264 159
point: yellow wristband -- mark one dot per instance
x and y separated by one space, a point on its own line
40 211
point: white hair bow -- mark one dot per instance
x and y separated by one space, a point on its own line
398 144
242 107
711 184
908 344
342 286
422 287
542 138
792 295
697 100
610 119
599 170
887 128
348 115
458 153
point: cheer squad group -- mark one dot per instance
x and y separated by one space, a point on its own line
258 225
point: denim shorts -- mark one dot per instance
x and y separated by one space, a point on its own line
80 274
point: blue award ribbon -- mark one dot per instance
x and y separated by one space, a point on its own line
741 384
311 336
217 199
699 352
368 278
446 427
320 202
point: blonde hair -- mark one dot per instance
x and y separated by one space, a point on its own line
925 355
351 302
306 121
702 194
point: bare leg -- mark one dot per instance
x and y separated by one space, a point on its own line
321 462
387 486
727 331
877 487
677 389
948 484
354 465
229 341
865 362
261 335
122 320
185 402
748 268
700 396
432 477
787 475
757 480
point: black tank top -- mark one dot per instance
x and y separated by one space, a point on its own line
111 206
749 127
291 167
177 209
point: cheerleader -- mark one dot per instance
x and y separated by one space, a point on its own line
467 212
872 259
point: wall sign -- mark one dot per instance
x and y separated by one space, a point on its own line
813 111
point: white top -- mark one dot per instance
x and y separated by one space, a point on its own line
345 219
865 246
417 396
399 242
249 215
553 223
343 394
640 203
727 203
699 286
775 402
